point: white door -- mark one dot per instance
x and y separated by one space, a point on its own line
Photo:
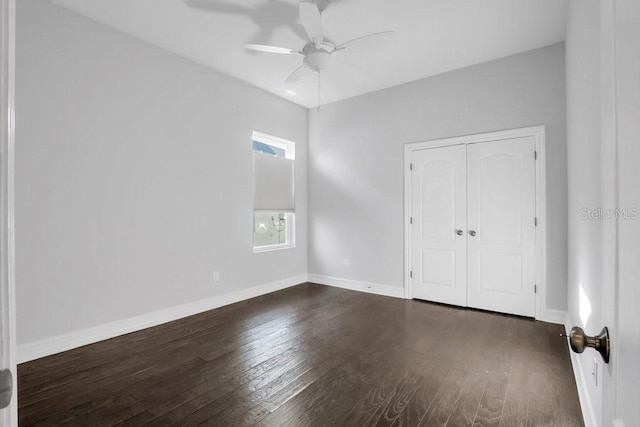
8 416
501 228
438 230
621 176
472 235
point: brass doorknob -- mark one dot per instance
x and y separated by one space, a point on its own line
472 233
578 341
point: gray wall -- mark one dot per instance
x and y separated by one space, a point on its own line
584 178
134 177
356 159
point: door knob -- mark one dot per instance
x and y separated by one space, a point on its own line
472 233
459 232
578 341
6 388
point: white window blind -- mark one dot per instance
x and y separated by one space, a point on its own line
272 183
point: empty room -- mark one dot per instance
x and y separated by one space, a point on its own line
320 213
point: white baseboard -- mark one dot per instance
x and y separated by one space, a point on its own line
356 285
68 341
588 414
553 316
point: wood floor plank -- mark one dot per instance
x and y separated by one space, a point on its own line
123 366
312 355
310 341
352 381
288 299
455 397
446 400
471 394
159 337
382 392
514 409
491 404
394 406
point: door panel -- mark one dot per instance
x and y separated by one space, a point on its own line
501 202
438 206
445 276
500 272
9 415
497 180
620 159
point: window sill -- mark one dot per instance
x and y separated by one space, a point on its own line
259 249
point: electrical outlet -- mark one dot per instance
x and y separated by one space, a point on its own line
347 262
216 276
594 371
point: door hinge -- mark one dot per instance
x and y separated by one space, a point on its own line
535 155
410 220
410 166
535 289
410 274
535 221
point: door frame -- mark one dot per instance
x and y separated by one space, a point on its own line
8 416
538 133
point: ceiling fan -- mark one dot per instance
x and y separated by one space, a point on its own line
318 54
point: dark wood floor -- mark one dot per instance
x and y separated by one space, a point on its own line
313 355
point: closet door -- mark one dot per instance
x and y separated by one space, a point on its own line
501 228
438 231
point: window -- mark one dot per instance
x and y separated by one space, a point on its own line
273 193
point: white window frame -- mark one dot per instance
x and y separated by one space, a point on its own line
290 236
289 147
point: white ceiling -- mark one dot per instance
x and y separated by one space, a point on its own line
431 36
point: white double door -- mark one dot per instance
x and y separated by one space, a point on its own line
473 231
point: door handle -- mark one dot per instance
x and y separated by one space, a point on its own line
578 341
472 233
459 232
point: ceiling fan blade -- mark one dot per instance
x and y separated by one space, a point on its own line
373 40
270 49
311 21
349 71
296 75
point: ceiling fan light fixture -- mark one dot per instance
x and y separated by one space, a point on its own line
320 60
